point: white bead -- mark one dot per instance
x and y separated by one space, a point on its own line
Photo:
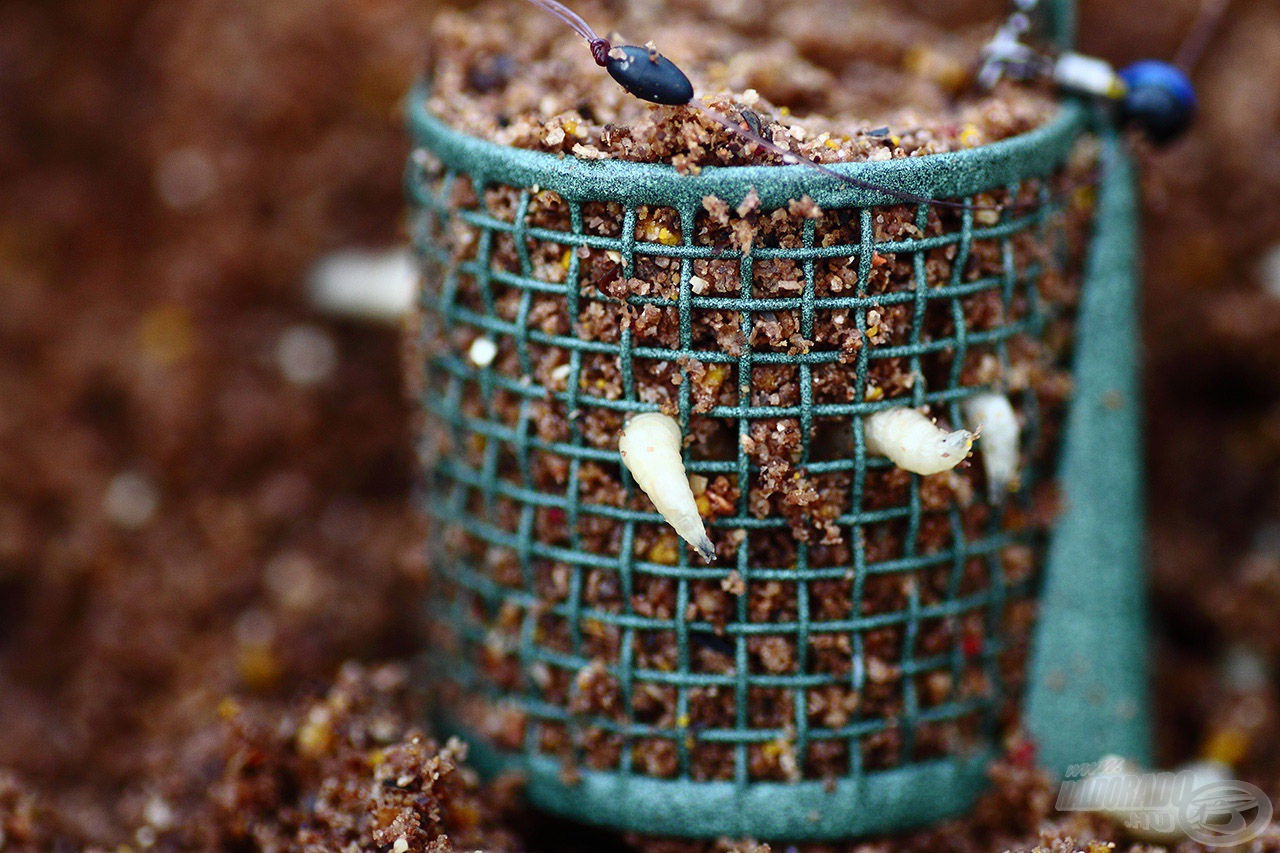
483 351
1088 74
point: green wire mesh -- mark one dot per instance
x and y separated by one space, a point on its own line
507 639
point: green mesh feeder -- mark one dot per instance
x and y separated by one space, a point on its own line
517 591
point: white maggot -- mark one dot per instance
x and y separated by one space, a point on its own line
650 448
993 414
915 443
364 285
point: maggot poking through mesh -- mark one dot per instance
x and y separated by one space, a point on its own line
650 448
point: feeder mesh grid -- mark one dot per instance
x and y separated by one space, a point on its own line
471 599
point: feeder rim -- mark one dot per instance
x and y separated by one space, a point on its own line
947 175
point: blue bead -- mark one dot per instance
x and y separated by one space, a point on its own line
1160 99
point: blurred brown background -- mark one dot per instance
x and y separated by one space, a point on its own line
179 521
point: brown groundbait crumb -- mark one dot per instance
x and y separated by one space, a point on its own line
504 107
349 771
18 823
893 86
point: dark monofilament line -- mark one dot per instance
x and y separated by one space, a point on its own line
599 46
570 17
792 158
1203 29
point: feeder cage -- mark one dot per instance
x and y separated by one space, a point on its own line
856 656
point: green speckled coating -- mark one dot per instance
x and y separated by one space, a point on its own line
944 176
1088 695
865 801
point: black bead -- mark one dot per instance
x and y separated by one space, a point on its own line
649 75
